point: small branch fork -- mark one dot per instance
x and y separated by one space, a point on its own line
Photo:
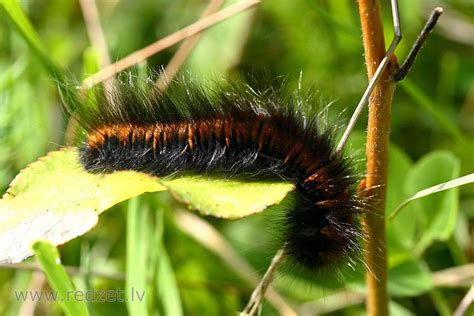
400 74
258 294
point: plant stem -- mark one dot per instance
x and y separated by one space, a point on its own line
377 157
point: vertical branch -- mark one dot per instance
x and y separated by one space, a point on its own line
377 156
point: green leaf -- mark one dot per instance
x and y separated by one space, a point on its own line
401 231
227 198
71 301
57 200
167 285
410 278
438 212
138 237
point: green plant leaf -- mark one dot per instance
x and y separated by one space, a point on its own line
227 198
401 231
167 285
138 245
410 278
57 200
71 301
438 212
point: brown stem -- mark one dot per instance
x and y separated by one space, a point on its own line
377 157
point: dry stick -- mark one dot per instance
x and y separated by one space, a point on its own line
98 42
421 39
377 75
259 293
71 270
210 238
455 277
28 307
465 303
184 50
401 73
377 156
94 30
168 41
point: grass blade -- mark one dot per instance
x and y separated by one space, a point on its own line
18 17
434 189
70 300
138 234
166 283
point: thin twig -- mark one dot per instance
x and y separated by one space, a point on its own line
465 303
375 78
420 41
332 303
258 294
184 50
98 42
94 30
116 276
168 41
28 307
210 238
455 277
401 73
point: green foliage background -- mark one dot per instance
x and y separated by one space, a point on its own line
432 137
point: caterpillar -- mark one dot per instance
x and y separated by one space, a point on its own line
236 131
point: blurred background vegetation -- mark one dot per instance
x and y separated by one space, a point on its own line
432 121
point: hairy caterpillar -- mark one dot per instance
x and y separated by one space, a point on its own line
234 130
